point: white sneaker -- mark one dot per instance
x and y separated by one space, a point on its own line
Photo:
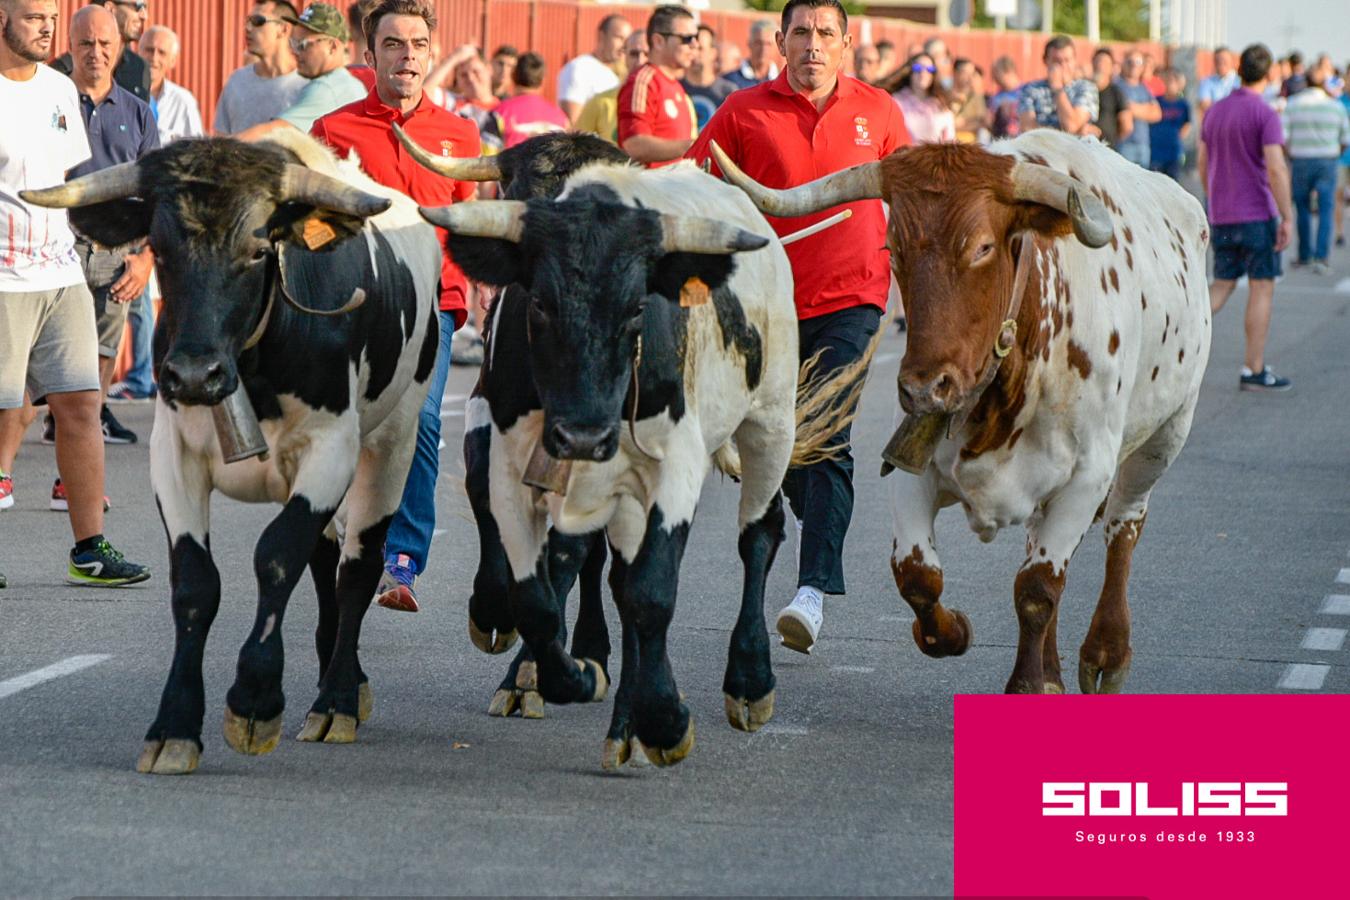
799 622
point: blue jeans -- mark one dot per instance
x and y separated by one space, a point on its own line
1135 152
142 321
1314 176
410 531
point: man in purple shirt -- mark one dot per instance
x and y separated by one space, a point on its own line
1242 157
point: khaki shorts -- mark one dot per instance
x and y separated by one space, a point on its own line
48 344
101 271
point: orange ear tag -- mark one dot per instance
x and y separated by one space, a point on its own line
318 233
694 293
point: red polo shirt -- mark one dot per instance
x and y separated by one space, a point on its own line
651 102
366 127
776 136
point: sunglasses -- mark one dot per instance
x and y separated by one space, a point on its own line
688 40
258 20
302 46
919 67
138 5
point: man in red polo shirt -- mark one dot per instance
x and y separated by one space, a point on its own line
398 38
808 122
656 119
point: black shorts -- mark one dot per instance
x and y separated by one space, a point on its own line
1247 248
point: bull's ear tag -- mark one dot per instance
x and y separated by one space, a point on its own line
318 233
694 292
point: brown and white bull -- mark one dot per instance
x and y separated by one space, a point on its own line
1059 328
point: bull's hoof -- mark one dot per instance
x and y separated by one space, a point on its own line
504 703
330 728
1054 687
493 642
601 680
365 701
940 645
249 735
171 757
618 751
1093 679
748 715
660 756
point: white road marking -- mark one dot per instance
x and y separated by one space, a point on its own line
1343 576
453 398
47 673
1336 605
452 414
882 358
856 670
1331 639
1343 286
1303 677
437 532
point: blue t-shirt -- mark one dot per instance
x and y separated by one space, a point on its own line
1165 135
1345 101
121 129
1136 93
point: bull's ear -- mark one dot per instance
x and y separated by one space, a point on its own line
311 227
115 222
494 261
1042 219
673 270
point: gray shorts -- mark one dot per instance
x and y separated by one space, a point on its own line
48 344
101 271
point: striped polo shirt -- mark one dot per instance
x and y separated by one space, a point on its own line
1315 126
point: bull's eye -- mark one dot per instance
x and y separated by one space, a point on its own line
259 255
982 253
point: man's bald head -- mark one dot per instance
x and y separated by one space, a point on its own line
95 44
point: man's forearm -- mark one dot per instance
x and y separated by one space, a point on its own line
1279 186
1071 118
647 148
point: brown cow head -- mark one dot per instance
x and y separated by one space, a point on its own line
957 215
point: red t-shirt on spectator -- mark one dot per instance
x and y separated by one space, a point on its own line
777 138
366 127
651 102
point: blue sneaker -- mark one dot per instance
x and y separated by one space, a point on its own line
1265 380
395 590
103 566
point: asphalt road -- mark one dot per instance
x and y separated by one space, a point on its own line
848 791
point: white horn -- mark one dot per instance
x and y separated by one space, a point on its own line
862 182
472 168
1042 184
696 234
487 218
112 183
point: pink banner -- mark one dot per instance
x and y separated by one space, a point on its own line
1160 796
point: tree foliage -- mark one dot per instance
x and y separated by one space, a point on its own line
1121 20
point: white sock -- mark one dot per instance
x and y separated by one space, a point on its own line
806 592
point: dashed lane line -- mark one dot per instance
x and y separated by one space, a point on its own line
1343 576
1303 677
1327 639
67 666
1336 605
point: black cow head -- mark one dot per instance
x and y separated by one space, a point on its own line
218 214
592 266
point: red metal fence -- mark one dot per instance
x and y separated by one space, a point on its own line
212 34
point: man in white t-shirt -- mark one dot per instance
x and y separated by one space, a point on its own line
593 73
267 88
48 341
176 110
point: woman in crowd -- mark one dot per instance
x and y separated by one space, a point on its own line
922 100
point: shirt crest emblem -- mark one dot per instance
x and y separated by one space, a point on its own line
446 147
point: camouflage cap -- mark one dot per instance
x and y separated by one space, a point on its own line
321 18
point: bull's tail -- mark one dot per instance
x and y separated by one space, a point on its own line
827 402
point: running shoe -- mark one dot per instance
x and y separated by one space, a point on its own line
104 566
61 502
395 590
114 432
6 491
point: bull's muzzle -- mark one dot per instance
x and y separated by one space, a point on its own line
938 392
197 380
589 443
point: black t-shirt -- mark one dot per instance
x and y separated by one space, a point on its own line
707 99
1110 101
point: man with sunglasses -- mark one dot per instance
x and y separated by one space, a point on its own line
318 39
656 119
808 122
264 90
132 74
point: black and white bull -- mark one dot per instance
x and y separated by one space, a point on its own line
657 318
245 237
536 168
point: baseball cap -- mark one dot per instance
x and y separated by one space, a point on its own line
321 18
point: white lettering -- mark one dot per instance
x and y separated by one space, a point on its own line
1062 798
1122 790
1267 798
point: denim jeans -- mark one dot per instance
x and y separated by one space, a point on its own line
142 321
1314 176
410 531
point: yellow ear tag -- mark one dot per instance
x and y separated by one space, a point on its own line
318 233
694 293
